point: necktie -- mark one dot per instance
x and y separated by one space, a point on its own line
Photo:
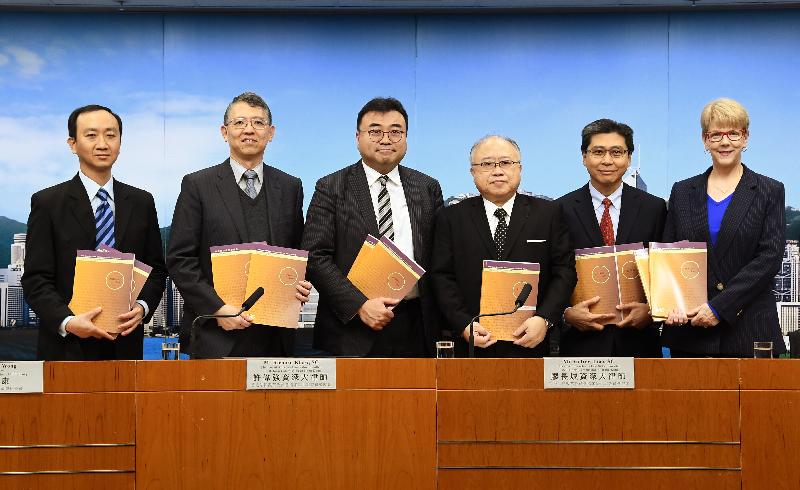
501 232
250 177
606 226
385 226
104 221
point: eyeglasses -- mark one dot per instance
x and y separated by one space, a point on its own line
489 166
376 135
599 152
240 123
733 135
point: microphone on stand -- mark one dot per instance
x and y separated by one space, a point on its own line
521 299
248 303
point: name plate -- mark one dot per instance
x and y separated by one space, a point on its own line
291 374
588 372
21 377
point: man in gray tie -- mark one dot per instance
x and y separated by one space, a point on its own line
377 196
240 200
91 210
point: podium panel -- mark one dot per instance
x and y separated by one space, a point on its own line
79 434
358 436
498 428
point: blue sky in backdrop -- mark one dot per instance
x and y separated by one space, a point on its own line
538 79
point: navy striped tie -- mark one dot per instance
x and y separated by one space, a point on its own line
104 221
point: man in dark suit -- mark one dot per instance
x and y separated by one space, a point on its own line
373 196
604 212
240 200
92 209
501 224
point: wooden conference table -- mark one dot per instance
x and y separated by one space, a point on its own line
406 424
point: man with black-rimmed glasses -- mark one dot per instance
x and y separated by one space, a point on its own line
377 196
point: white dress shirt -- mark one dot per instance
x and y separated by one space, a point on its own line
239 170
401 219
491 207
91 192
613 210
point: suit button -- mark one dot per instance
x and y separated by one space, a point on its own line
720 286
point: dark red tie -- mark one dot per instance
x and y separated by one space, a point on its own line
606 226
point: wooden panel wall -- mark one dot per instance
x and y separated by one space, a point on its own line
498 428
78 435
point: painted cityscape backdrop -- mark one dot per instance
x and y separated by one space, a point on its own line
536 78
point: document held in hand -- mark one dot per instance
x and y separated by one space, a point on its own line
103 278
382 270
141 272
611 273
678 277
240 269
501 283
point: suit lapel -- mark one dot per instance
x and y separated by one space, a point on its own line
414 203
229 194
587 217
736 211
698 210
628 213
274 200
478 216
519 216
82 209
358 184
122 212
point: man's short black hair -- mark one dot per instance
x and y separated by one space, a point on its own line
72 122
382 105
605 126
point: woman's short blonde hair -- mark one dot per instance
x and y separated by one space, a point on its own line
726 112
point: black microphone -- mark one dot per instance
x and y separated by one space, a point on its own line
258 293
248 303
522 297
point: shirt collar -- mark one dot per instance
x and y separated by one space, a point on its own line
92 187
491 207
373 175
615 197
239 170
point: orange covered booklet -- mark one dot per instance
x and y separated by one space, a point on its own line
611 273
678 277
240 269
381 269
501 283
103 278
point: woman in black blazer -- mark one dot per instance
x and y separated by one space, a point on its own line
741 216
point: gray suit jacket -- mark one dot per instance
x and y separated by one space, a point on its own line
741 266
209 213
339 218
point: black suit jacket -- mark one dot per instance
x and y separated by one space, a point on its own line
463 241
339 218
741 266
209 213
61 222
641 219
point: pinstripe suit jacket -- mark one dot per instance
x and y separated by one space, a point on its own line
741 266
339 218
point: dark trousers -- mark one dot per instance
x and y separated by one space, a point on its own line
260 341
403 336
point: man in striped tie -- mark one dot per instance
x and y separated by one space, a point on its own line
376 196
91 210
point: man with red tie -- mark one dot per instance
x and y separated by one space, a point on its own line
606 211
